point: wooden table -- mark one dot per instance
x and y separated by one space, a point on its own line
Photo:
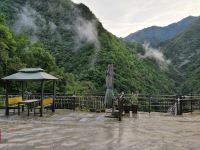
28 103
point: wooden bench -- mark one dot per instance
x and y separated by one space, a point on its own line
47 103
13 102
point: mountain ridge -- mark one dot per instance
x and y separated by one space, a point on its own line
184 51
156 34
83 48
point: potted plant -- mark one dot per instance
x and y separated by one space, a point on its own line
134 102
127 105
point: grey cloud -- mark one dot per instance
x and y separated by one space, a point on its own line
140 13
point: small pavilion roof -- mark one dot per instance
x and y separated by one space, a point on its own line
30 74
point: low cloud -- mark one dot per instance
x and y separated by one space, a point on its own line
86 31
26 21
155 54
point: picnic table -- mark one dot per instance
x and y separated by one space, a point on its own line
30 74
29 103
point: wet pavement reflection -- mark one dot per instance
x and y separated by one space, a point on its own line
93 131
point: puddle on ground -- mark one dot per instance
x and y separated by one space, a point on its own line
84 131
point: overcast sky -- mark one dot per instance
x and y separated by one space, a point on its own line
122 17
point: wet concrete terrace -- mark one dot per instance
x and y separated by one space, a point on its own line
68 130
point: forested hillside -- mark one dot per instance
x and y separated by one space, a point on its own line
184 52
156 35
18 52
68 40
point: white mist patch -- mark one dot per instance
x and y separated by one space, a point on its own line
155 54
27 18
186 61
87 32
52 26
84 31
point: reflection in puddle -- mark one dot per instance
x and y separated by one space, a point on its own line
80 130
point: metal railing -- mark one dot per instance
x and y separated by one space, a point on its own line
92 103
146 103
154 103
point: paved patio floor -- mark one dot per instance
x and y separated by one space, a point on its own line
68 130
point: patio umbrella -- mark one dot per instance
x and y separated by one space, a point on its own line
109 96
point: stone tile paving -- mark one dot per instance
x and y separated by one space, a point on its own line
68 130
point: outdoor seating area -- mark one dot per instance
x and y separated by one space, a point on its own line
35 104
14 103
19 102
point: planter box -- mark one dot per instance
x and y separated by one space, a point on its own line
2 107
134 109
92 110
127 109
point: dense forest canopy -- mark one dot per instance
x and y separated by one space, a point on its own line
179 43
68 41
184 52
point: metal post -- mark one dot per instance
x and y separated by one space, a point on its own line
181 106
22 90
175 107
74 102
7 108
120 109
54 95
0 135
149 104
191 103
42 95
113 107
178 106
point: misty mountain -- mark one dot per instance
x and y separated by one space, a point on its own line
83 48
184 52
155 34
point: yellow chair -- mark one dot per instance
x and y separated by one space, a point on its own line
13 102
47 103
